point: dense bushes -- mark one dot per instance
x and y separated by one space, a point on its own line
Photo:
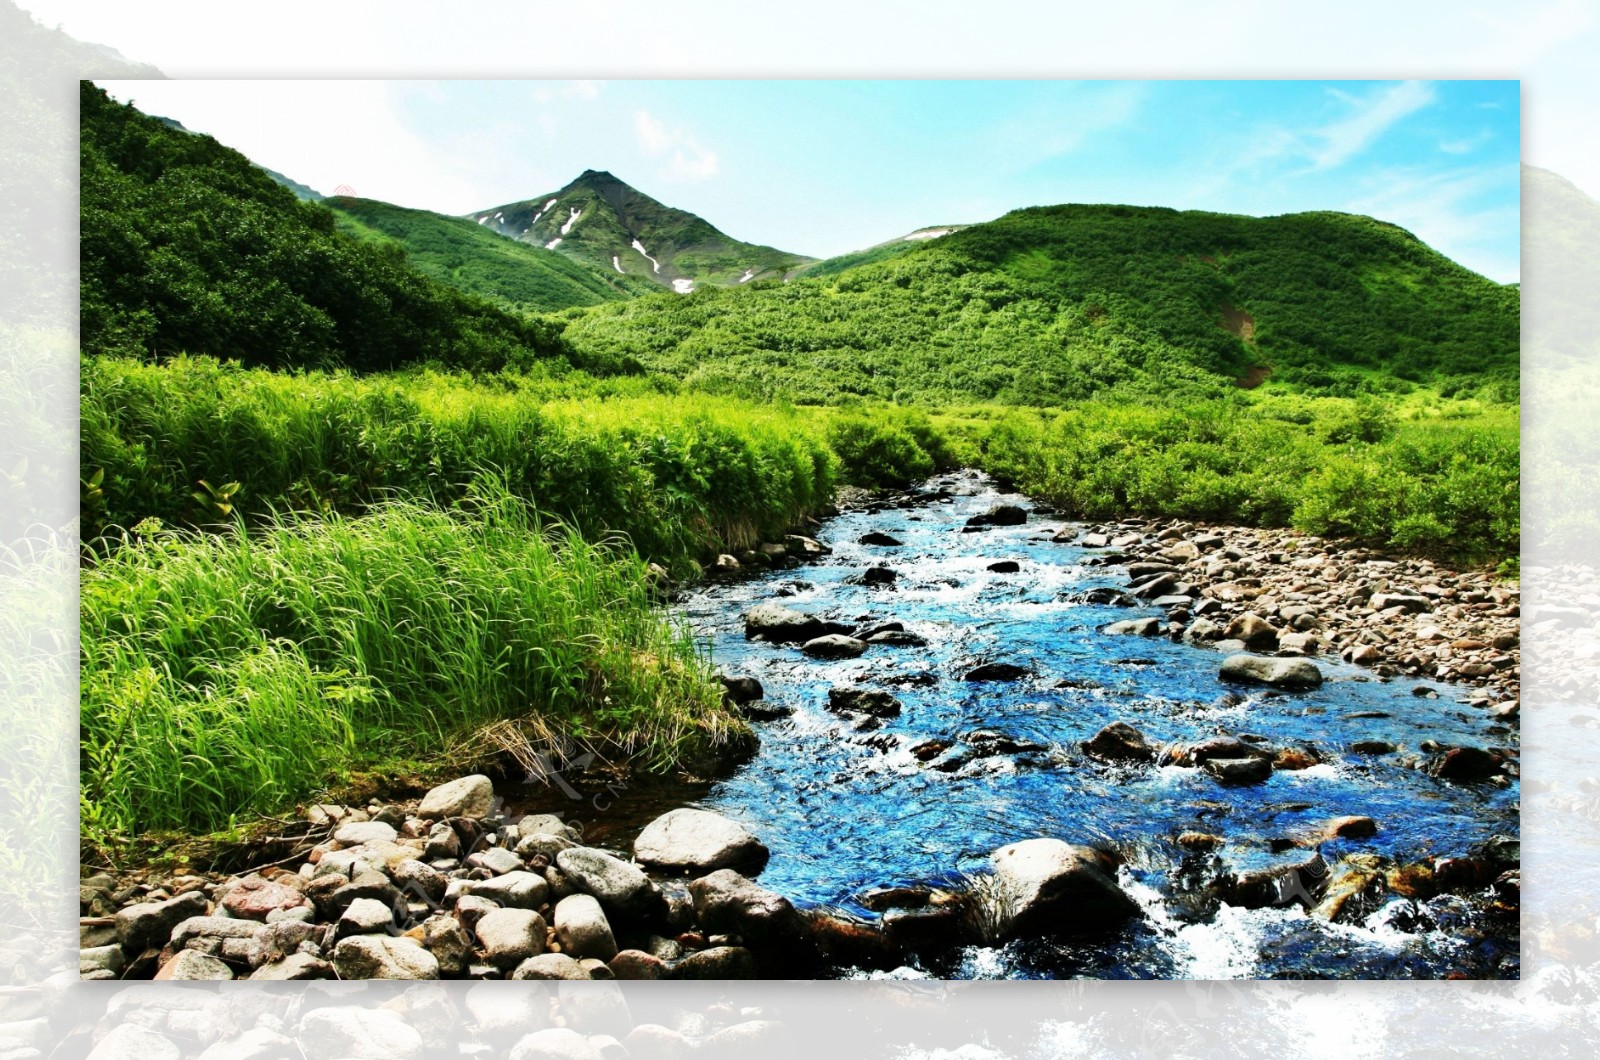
1351 469
234 673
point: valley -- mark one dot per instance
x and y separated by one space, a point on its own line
375 499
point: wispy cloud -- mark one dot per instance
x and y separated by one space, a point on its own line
1344 139
686 159
1457 211
1466 144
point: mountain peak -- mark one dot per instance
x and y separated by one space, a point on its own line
603 221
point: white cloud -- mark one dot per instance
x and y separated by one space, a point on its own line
686 159
1457 211
1347 138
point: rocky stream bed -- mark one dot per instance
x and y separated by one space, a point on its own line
993 744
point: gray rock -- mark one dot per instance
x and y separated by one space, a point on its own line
1239 770
129 1041
445 938
550 966
697 841
511 936
1410 602
192 965
555 1043
1044 887
294 966
371 1033
718 962
582 928
727 903
351 835
1277 673
497 860
1139 627
468 797
739 690
383 957
149 925
365 916
1000 515
834 646
785 625
102 959
618 885
414 879
516 890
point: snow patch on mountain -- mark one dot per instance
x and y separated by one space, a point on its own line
654 264
572 219
553 243
747 274
683 286
928 233
616 264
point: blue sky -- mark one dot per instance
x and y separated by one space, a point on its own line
824 167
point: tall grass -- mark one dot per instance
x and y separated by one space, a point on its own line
677 475
232 673
1430 478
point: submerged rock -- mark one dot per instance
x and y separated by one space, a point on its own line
1120 742
867 701
834 646
998 671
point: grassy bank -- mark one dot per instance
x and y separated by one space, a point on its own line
232 673
677 475
1428 477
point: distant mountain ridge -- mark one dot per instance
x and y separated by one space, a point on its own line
602 221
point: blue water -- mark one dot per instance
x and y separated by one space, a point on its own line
842 815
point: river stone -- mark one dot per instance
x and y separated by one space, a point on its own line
550 966
582 928
1120 742
555 1043
511 936
359 832
365 916
383 957
726 903
1138 627
741 690
1256 632
618 885
998 671
834 646
415 879
102 959
192 965
785 625
878 576
1239 770
718 962
637 964
898 638
359 1031
1000 515
697 841
468 797
216 927
880 539
1351 827
254 898
497 860
445 937
293 967
148 925
1005 566
1464 765
877 703
1050 887
516 890
1278 673
1411 603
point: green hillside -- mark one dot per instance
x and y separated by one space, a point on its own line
597 219
467 255
187 246
1055 304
